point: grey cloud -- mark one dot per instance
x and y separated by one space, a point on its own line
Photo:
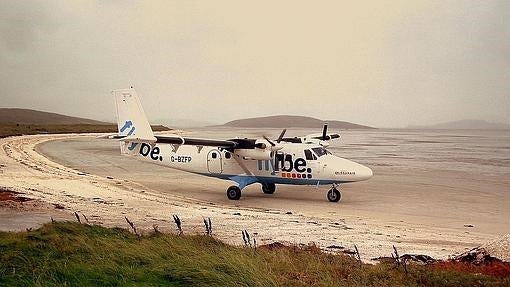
382 63
452 63
20 23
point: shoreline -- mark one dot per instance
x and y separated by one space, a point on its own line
106 201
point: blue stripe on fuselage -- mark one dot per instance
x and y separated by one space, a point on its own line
276 180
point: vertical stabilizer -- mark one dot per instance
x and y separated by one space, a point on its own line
131 119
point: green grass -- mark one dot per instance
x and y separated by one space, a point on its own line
73 254
13 129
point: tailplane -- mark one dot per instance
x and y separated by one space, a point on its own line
131 120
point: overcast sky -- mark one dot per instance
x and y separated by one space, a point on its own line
381 63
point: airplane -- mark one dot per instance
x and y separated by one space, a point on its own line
245 161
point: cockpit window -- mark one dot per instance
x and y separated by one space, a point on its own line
320 151
309 155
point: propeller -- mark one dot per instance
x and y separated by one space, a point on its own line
278 140
281 136
273 145
325 132
269 141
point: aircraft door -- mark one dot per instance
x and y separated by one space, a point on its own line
313 162
214 162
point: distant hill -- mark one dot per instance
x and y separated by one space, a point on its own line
285 121
26 116
184 123
466 125
24 122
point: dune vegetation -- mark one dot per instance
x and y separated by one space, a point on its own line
73 254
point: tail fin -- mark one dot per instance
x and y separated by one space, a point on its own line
131 119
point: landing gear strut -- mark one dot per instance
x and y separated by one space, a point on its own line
334 195
234 193
268 188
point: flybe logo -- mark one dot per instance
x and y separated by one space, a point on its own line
128 125
292 168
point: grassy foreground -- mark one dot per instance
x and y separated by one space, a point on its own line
72 254
13 129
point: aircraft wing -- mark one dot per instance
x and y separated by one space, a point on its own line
324 137
178 140
195 141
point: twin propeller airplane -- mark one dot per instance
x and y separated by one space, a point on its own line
295 161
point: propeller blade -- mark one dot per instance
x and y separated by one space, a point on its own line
269 141
325 132
281 136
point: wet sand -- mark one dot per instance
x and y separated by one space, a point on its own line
414 181
424 198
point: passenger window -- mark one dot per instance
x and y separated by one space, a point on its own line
214 155
308 154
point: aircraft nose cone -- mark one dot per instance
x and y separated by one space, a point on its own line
363 172
349 171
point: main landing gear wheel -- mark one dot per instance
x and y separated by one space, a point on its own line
334 195
234 193
268 188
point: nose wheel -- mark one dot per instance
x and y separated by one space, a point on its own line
334 195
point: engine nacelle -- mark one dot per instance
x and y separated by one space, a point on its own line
256 153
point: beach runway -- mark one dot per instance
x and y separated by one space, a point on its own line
420 206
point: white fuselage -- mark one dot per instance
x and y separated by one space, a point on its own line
297 164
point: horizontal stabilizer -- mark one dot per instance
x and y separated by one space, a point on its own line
126 138
110 136
134 139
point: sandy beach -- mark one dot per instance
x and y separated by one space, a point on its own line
411 203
